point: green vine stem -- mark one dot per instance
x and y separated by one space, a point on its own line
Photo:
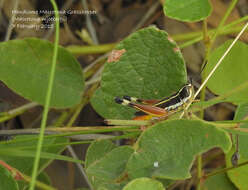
202 98
48 98
129 135
70 131
66 131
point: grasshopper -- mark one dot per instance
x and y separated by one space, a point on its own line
164 107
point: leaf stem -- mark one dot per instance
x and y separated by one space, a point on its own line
194 36
48 98
197 36
38 183
225 170
17 111
227 29
127 122
83 102
95 49
22 108
59 122
223 20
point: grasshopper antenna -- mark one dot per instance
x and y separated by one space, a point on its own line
203 67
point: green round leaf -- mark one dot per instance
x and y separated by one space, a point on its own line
109 186
25 67
97 150
218 182
232 72
110 167
144 183
6 180
43 177
151 66
241 112
166 182
189 11
167 149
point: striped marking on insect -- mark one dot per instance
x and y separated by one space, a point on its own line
159 108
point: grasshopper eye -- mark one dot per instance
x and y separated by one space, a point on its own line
118 100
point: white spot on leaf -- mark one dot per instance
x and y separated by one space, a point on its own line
155 164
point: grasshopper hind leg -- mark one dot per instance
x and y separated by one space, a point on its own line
148 109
